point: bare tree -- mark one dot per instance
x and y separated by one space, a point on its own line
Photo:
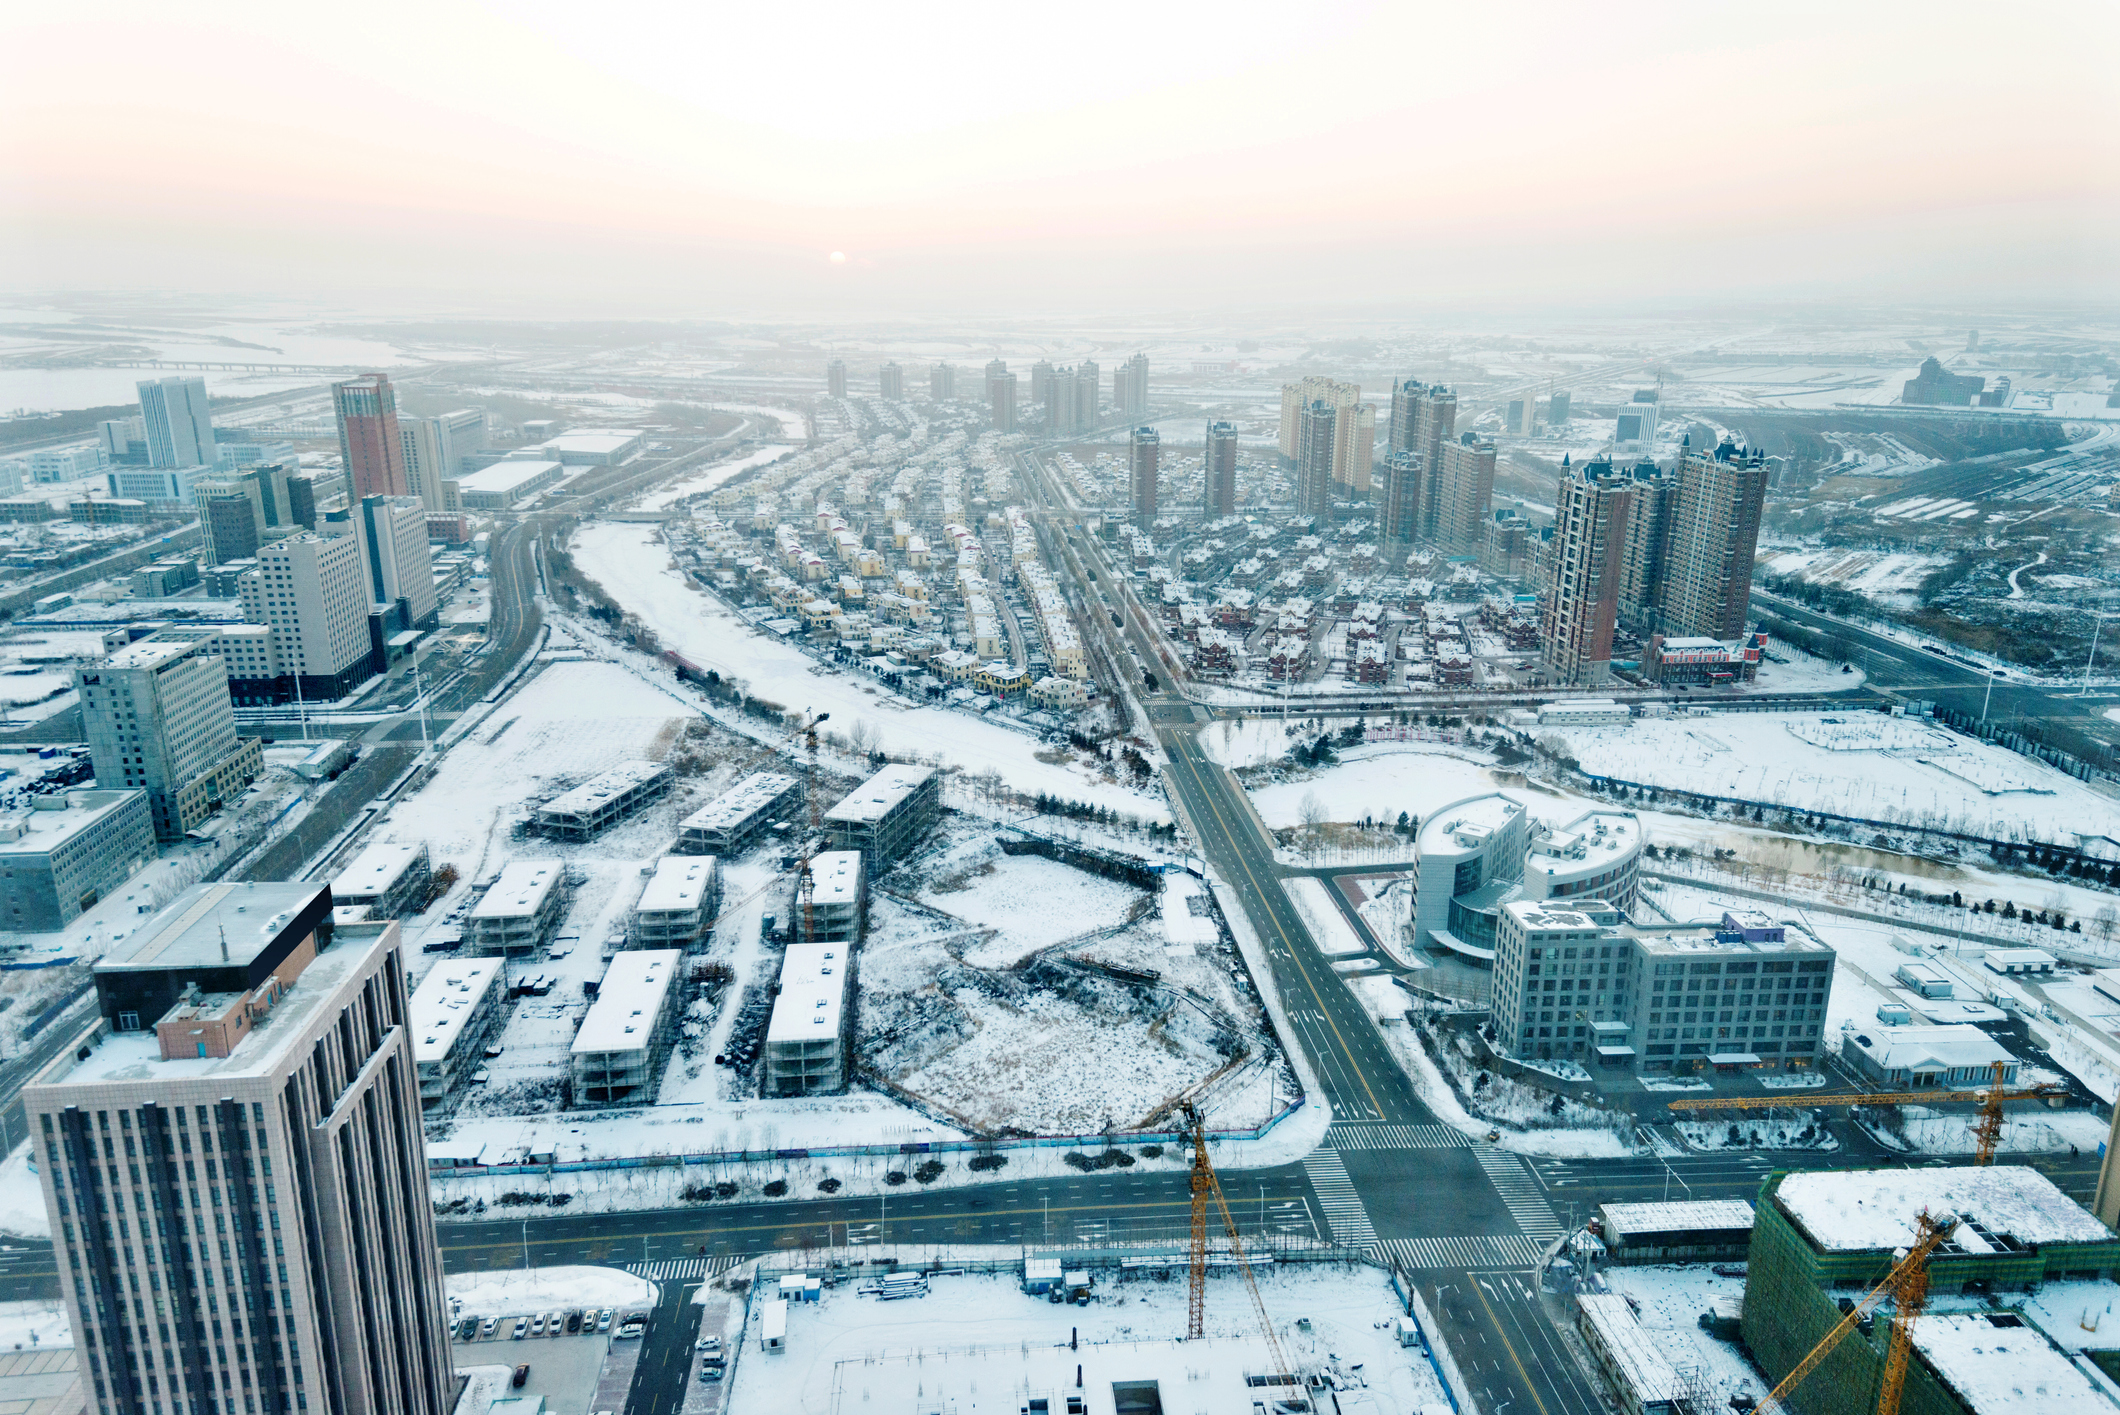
1314 816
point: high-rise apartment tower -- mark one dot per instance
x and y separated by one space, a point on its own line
1144 451
1315 436
1130 387
1714 534
1219 472
890 382
1580 600
835 379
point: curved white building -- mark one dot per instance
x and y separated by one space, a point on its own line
1476 855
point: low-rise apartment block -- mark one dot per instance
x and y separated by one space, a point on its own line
887 815
454 1015
71 851
728 822
603 800
390 877
618 1055
521 910
839 899
677 908
806 1039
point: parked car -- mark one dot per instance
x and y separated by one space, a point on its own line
467 1329
631 1328
574 1322
713 1373
489 1326
522 1373
603 1320
537 1324
555 1323
1729 1270
588 1320
522 1329
709 1343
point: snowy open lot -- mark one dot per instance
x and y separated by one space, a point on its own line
515 1290
1379 781
978 1340
636 571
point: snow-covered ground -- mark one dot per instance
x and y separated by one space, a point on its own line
22 1210
1670 1301
2026 1130
636 571
511 1291
1380 780
1328 926
667 496
33 1324
978 1339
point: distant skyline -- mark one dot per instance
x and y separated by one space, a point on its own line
550 160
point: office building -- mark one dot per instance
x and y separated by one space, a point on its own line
302 502
312 590
1298 396
62 464
807 1035
1144 452
1921 1057
1001 398
890 381
157 484
942 382
1464 493
1517 418
1635 429
1579 602
839 899
371 448
519 911
887 815
603 800
1576 980
234 456
179 426
123 439
390 879
454 1016
618 1053
158 719
1219 472
1476 855
463 433
393 534
240 1030
1714 533
1935 386
677 908
1987 1343
1354 443
1130 388
835 379
1316 439
67 852
228 521
731 820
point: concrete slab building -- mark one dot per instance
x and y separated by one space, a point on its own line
603 800
807 1038
728 822
617 1057
886 815
453 1017
71 851
390 877
838 903
520 911
677 908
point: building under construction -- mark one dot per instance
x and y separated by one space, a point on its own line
1823 1238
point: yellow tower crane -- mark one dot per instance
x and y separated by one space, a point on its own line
1987 1130
1908 1285
1204 1186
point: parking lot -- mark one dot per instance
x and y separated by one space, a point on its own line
563 1368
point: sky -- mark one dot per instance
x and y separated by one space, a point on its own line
541 158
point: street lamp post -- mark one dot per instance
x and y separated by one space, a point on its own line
2096 626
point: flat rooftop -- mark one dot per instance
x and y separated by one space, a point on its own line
598 789
2010 1368
445 1000
1681 1216
504 477
1866 1210
137 1056
629 1001
520 891
835 877
375 870
1482 815
881 794
45 831
217 925
813 989
681 882
741 801
149 653
605 440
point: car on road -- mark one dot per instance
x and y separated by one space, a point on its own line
1729 1270
522 1329
489 1326
522 1373
603 1320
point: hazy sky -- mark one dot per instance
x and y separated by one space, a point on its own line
613 157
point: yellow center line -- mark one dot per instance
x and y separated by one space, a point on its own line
1295 955
1514 1359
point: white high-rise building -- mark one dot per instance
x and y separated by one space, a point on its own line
173 412
158 719
313 591
393 535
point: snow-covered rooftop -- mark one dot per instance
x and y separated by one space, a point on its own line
503 478
813 985
598 789
520 891
880 794
1678 1216
1855 1211
740 802
1948 1048
631 998
1637 1353
1995 1368
446 998
374 871
835 877
680 883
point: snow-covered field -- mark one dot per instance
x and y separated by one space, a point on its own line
1379 781
636 571
978 1339
511 1291
1888 576
1857 764
667 496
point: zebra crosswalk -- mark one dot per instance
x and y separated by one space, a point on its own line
1464 1254
1337 1199
1394 1137
683 1269
1520 1194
